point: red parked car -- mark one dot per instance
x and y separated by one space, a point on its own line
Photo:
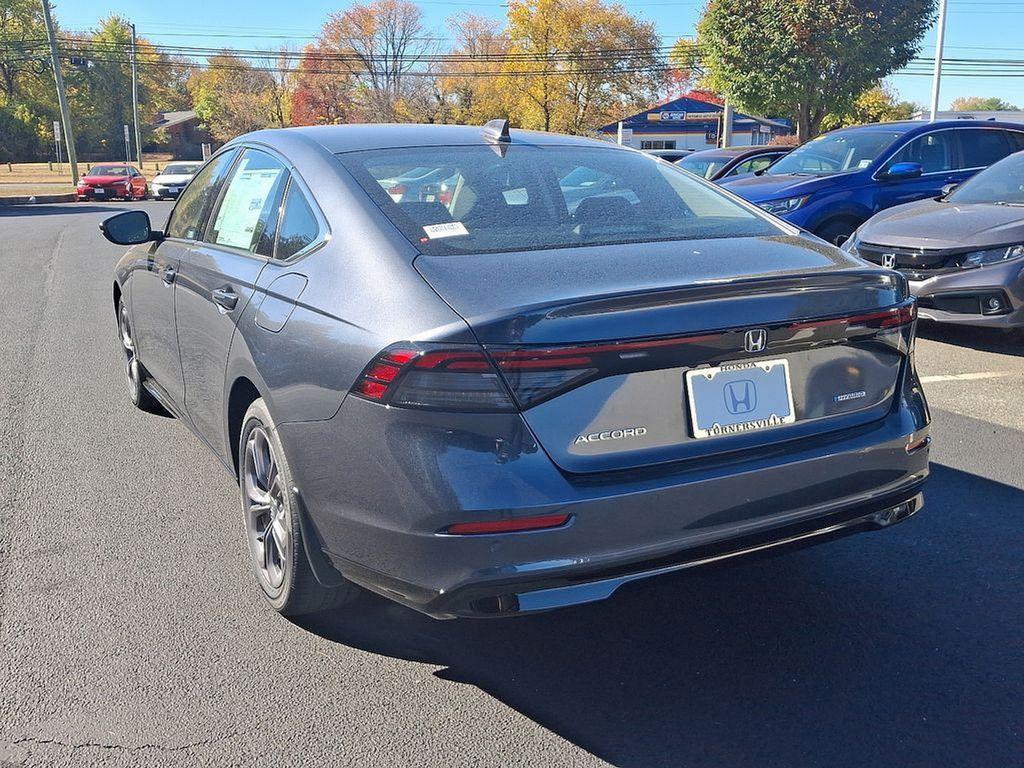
105 182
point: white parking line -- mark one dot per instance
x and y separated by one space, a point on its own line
968 376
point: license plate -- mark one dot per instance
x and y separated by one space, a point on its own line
99 191
739 397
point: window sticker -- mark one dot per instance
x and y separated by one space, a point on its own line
242 206
452 229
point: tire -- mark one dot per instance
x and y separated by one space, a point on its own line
134 373
270 515
835 231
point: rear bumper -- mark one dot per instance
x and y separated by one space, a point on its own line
559 591
158 190
380 487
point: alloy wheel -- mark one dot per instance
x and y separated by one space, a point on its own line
131 364
266 513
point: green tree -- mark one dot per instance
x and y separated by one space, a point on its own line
805 59
980 104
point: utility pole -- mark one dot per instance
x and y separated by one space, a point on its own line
937 75
62 99
726 140
135 100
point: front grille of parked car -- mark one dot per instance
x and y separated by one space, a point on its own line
914 263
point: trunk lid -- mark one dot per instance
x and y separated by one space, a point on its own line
595 343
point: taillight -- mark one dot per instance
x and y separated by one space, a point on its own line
450 377
396 192
894 317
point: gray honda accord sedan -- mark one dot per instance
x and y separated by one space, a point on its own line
963 253
484 372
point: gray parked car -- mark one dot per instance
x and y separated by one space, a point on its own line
488 404
963 252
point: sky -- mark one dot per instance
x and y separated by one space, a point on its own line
975 29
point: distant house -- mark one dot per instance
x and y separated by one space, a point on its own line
185 136
692 124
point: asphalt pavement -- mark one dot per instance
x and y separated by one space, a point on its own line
132 632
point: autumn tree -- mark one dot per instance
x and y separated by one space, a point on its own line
878 104
684 68
469 87
381 46
980 104
576 64
231 96
283 76
805 59
323 94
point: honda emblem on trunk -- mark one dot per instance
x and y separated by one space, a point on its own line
755 340
889 260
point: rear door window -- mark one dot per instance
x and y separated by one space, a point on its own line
933 151
247 214
1016 140
981 147
188 219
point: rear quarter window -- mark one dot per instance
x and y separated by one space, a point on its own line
982 146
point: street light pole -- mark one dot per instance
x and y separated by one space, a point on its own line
937 76
135 100
62 99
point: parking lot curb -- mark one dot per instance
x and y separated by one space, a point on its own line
69 197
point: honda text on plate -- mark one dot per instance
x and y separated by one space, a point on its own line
833 184
513 389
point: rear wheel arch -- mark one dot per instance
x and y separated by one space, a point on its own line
242 394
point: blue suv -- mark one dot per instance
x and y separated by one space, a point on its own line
831 185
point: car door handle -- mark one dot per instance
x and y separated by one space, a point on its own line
225 297
168 274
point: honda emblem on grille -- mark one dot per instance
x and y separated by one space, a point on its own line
889 260
755 340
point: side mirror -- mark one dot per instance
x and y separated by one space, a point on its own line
904 171
947 189
129 228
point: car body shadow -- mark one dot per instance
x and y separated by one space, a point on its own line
884 649
982 339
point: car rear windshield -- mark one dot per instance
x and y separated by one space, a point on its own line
836 152
181 169
108 170
1000 183
483 199
705 167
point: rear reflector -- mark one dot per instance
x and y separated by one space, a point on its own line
508 526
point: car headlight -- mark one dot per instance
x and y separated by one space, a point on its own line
993 256
779 207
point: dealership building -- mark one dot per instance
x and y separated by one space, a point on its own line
692 124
